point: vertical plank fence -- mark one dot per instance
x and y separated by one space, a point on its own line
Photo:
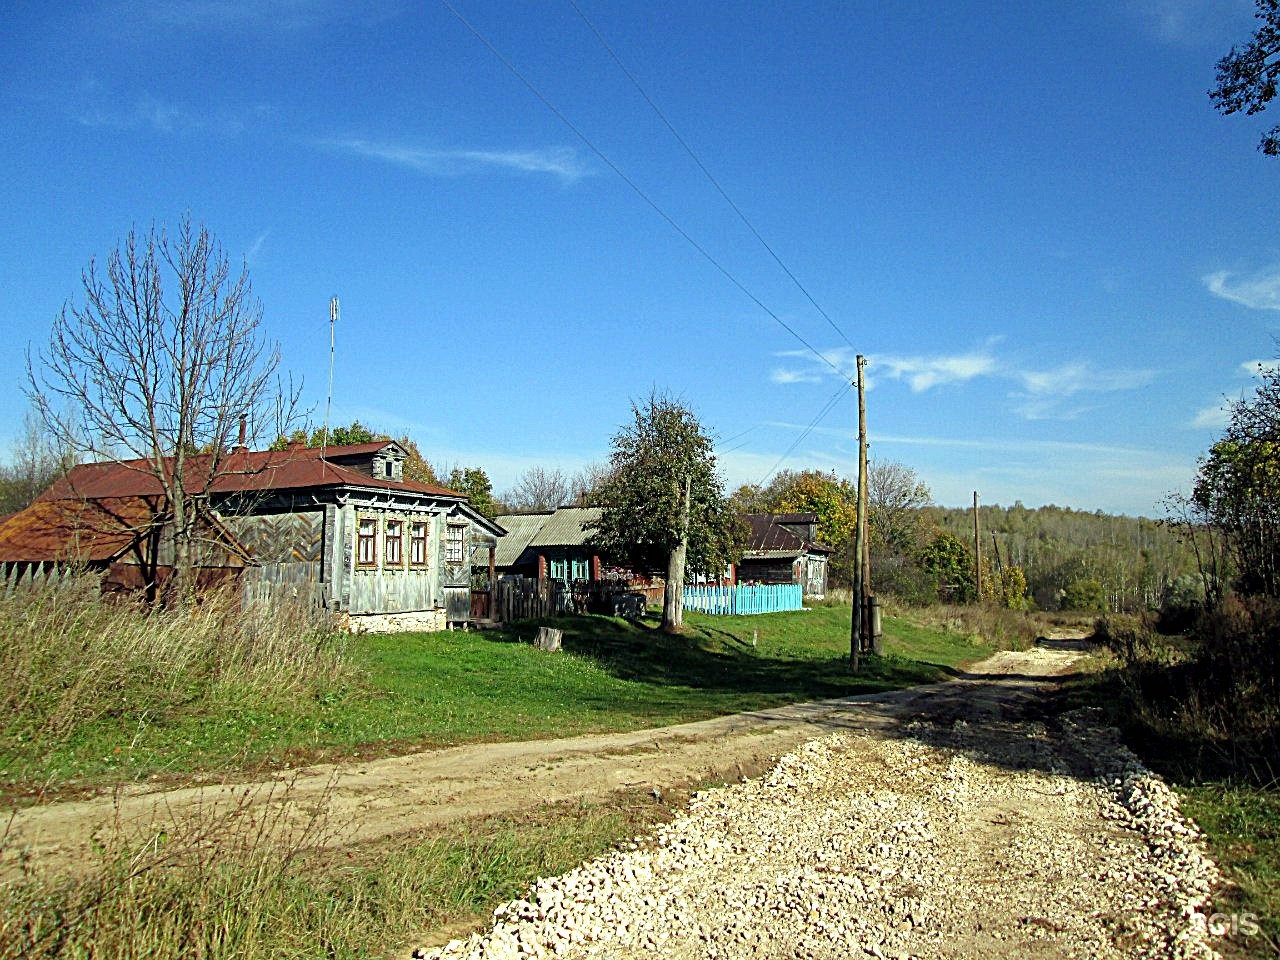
740 600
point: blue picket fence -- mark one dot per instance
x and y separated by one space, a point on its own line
727 601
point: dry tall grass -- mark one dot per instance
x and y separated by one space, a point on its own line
72 657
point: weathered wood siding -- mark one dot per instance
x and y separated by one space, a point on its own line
400 589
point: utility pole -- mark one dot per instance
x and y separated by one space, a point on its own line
857 628
977 550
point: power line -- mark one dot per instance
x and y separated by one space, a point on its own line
634 186
707 173
836 397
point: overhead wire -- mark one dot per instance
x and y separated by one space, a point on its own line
707 173
528 84
827 407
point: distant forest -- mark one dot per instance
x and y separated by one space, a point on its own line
1136 560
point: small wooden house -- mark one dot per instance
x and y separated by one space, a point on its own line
783 548
341 526
550 545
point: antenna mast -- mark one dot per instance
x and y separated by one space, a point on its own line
328 403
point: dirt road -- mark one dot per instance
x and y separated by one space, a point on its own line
377 799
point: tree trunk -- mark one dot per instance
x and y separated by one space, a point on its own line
673 594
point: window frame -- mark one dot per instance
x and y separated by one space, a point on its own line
363 540
424 541
461 542
393 546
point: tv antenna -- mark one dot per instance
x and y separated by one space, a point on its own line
328 403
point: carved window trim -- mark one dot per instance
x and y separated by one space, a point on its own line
366 542
419 543
394 540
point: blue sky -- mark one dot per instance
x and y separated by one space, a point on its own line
1058 258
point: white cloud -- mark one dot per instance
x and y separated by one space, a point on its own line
563 162
255 247
159 115
1256 368
780 375
921 373
1045 393
1257 291
1214 416
273 15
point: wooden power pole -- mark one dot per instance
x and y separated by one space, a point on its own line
858 628
977 550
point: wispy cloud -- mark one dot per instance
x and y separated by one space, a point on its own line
782 375
1190 22
1049 394
279 16
1257 291
921 373
562 162
1213 417
255 246
1256 368
159 115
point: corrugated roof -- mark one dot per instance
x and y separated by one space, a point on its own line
564 527
561 527
238 471
521 529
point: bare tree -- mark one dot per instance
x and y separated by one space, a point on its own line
34 463
538 489
587 484
161 365
895 497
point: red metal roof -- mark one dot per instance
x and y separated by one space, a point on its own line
296 468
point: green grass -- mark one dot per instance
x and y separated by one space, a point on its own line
449 688
1242 826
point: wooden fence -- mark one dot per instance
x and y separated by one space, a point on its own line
729 601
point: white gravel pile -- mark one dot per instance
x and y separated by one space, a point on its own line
950 842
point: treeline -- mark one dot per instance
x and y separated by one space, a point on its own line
1109 562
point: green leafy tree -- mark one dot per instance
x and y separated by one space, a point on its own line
663 505
416 467
950 563
475 483
1084 595
1246 77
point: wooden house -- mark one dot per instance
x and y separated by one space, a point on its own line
783 548
340 526
549 546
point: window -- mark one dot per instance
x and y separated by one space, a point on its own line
387 469
418 543
558 570
579 569
367 542
454 550
395 530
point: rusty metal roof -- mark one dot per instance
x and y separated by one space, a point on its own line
771 541
235 472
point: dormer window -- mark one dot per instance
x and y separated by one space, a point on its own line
388 469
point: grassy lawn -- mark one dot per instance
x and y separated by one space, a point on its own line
411 690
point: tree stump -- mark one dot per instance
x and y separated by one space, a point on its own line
548 639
